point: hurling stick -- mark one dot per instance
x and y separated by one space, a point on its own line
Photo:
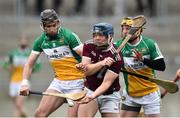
103 70
170 86
72 96
165 92
138 22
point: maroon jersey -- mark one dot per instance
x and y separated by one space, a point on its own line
91 51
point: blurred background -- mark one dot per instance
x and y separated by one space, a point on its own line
21 17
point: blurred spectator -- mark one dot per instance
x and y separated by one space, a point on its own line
57 4
14 63
79 5
149 8
104 7
40 5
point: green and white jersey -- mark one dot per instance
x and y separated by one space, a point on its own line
150 50
61 53
17 59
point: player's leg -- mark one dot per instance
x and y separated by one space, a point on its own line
72 109
129 111
19 103
129 107
74 86
17 100
48 104
152 106
90 109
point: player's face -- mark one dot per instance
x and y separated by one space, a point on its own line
125 31
52 28
23 43
100 39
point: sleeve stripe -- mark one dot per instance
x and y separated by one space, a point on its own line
75 48
75 35
112 72
35 52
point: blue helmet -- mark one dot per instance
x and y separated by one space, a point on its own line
104 28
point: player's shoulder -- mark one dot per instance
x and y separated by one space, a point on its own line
147 39
67 33
65 30
118 43
13 51
40 38
89 42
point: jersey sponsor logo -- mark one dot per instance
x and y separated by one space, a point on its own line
57 53
133 63
135 66
61 55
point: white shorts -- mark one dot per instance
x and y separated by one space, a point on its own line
150 102
108 103
72 86
14 89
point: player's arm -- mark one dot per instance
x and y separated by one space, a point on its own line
27 73
79 49
157 63
92 68
109 78
178 73
75 43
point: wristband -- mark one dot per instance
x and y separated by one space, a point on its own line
25 82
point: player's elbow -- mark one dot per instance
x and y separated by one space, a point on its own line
163 68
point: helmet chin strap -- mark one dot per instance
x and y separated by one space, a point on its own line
41 26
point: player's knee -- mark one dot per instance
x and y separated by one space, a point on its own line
40 113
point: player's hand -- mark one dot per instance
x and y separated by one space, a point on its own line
137 55
107 61
178 73
86 99
25 88
81 67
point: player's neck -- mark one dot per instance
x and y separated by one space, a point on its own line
135 41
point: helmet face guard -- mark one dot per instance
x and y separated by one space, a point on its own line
128 21
103 29
49 17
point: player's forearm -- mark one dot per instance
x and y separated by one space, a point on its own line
93 68
29 65
101 89
109 78
27 71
